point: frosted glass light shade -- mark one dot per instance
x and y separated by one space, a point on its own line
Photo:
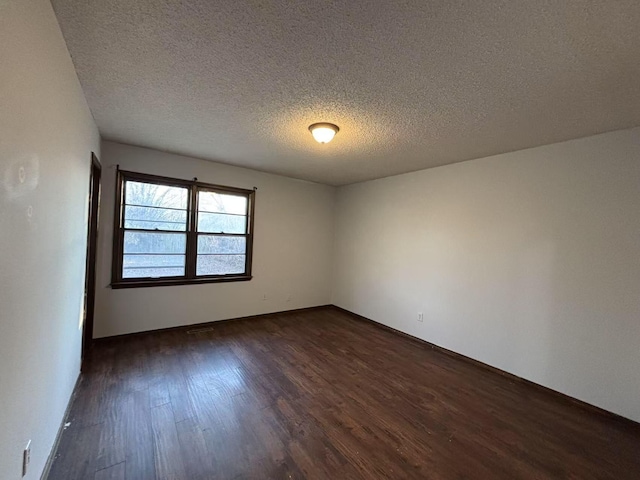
323 132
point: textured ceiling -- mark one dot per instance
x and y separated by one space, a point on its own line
412 84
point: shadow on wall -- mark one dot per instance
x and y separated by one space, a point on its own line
20 178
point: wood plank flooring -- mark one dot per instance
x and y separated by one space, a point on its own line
322 395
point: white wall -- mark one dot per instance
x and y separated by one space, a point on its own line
292 249
527 261
46 138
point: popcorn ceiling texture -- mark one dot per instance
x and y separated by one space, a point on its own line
412 84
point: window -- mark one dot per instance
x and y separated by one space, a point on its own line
175 232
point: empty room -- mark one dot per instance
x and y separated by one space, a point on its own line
364 239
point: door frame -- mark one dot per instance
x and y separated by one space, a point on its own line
92 245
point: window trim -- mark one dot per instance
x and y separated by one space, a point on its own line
191 253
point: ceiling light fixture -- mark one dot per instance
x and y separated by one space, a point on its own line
323 132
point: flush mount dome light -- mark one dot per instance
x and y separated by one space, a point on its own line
323 132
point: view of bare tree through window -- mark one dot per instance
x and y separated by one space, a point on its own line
174 231
159 214
222 228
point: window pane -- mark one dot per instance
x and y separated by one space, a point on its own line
151 194
145 242
221 223
220 264
150 218
140 265
222 203
211 244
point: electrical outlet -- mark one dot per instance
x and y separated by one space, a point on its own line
288 298
264 296
420 317
26 458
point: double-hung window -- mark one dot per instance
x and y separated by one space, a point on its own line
173 232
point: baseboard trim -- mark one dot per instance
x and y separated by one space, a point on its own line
208 324
496 371
56 442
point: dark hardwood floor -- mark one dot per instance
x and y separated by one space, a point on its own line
322 395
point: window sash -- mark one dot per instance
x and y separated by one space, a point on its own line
192 234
